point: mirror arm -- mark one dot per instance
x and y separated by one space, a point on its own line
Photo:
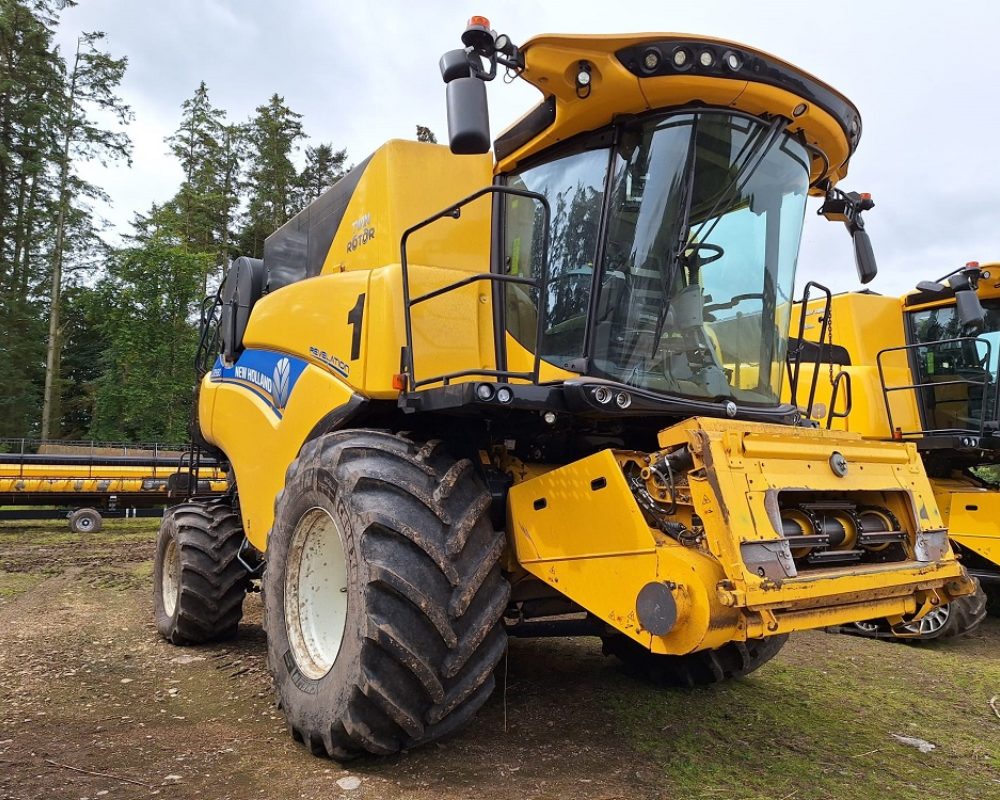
846 207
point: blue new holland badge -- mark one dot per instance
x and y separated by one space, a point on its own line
270 376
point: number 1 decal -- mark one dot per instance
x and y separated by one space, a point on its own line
355 317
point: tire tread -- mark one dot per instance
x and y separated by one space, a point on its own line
434 591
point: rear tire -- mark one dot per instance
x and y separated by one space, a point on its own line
402 533
732 660
954 619
86 520
199 582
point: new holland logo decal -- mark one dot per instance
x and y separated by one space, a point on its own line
270 376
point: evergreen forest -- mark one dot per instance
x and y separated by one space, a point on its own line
98 328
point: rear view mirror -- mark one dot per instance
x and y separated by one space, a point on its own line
468 116
864 256
969 310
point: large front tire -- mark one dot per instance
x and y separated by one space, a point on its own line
199 582
703 668
383 594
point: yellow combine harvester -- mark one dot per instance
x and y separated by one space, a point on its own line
85 487
465 397
923 369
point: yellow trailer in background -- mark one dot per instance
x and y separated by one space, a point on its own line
85 485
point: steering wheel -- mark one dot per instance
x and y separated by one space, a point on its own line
717 252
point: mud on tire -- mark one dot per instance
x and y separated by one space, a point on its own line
199 583
414 657
732 660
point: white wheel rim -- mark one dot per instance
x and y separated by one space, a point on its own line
85 523
932 622
316 593
170 582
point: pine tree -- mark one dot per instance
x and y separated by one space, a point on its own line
145 388
324 167
196 145
210 150
84 346
31 88
426 135
272 138
91 85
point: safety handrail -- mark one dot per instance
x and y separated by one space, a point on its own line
842 377
540 283
984 384
794 357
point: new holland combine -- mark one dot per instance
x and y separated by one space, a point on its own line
923 369
466 396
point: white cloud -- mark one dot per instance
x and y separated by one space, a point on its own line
923 74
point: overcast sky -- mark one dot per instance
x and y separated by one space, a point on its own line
925 75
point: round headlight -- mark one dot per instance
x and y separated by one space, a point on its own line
681 57
733 61
623 399
651 59
505 394
484 391
603 395
706 58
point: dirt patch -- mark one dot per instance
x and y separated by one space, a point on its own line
86 684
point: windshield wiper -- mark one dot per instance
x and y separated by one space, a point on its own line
768 138
754 158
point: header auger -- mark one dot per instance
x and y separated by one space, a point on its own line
542 395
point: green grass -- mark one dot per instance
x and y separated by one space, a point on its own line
49 532
15 583
814 724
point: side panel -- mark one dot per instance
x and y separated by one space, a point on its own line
405 183
451 332
579 529
322 320
264 408
972 516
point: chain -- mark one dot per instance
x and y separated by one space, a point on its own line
829 332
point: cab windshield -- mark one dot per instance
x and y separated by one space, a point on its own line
672 255
958 369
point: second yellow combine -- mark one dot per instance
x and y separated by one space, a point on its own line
922 368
